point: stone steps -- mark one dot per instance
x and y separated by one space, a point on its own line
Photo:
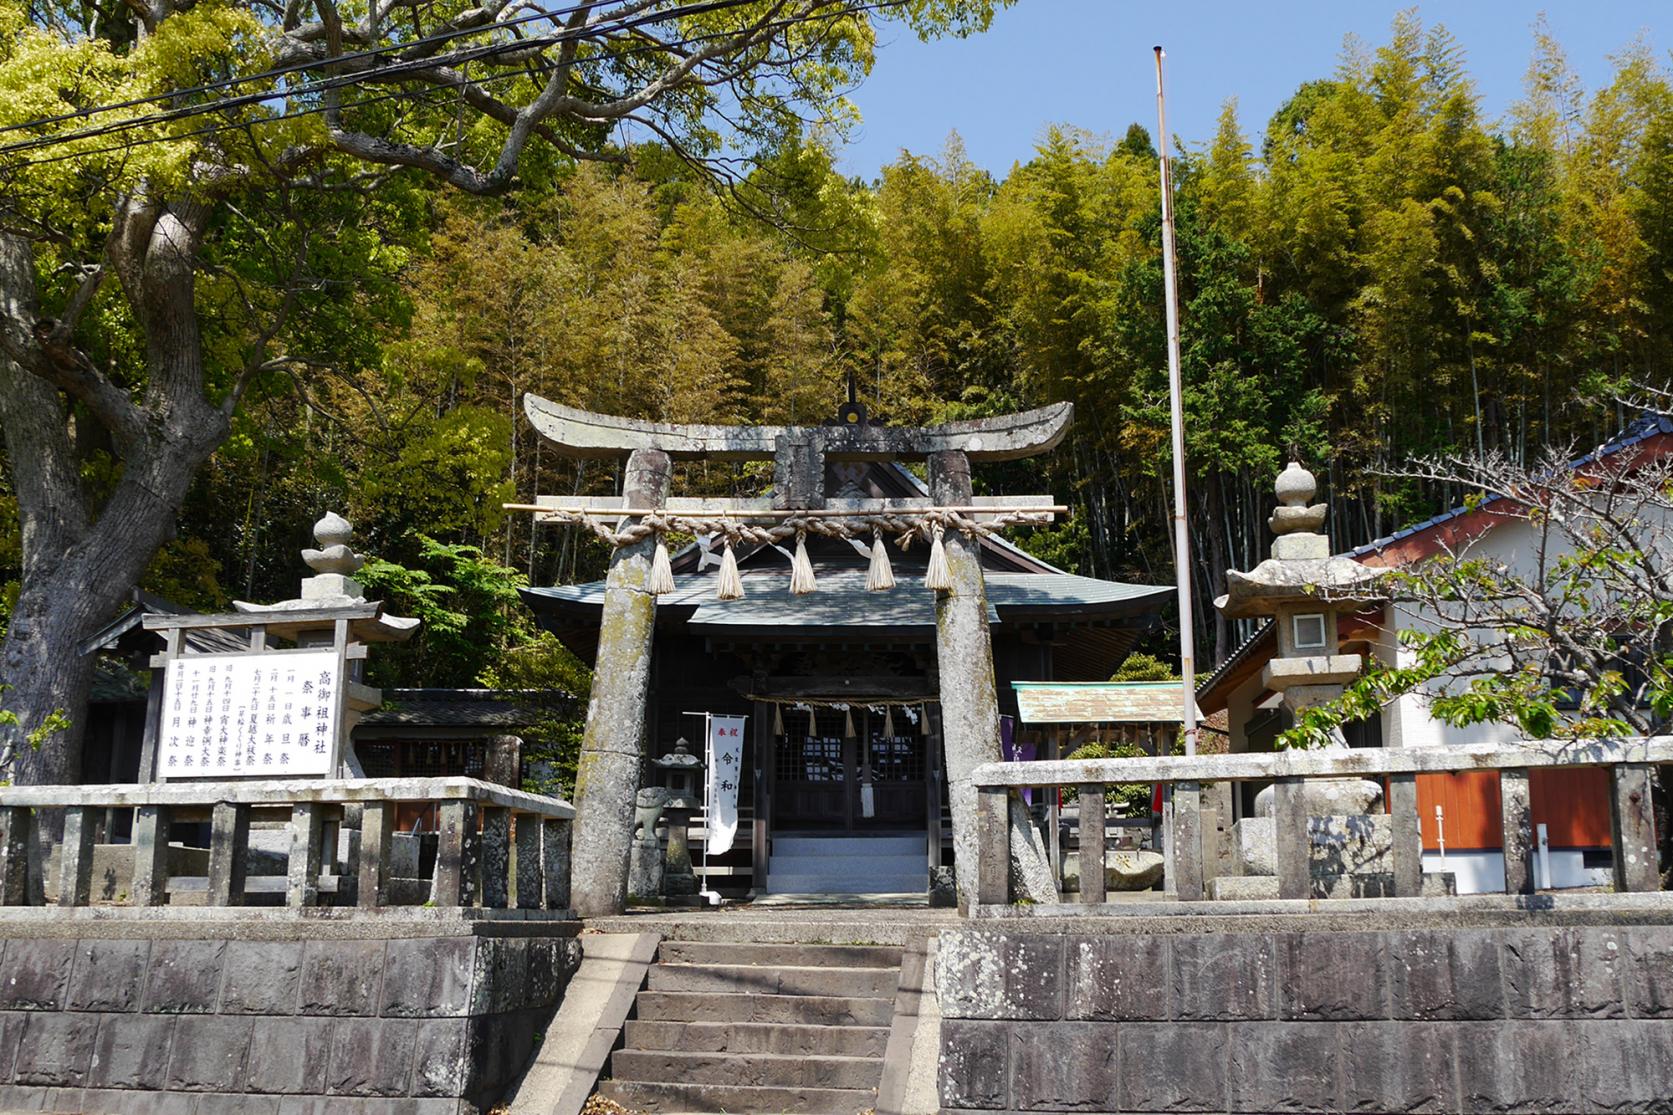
766 979
758 1028
845 847
788 955
848 865
736 1099
795 1010
856 883
758 1037
755 1070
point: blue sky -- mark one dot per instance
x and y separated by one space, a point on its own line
1088 63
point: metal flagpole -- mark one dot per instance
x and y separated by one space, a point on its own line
707 895
1176 403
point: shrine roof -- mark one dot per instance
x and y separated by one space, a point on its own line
842 600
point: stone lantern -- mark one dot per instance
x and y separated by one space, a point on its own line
679 772
1305 590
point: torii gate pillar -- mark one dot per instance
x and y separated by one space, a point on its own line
607 776
613 746
969 701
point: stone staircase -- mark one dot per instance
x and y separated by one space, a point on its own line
769 1029
868 864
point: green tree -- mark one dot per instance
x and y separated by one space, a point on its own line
260 245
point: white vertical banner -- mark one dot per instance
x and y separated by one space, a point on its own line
726 753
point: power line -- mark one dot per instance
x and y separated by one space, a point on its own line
295 67
429 95
328 84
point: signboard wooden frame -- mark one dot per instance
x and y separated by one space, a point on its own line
316 633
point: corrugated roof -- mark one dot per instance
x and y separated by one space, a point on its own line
1099 702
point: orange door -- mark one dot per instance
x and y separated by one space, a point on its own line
1573 804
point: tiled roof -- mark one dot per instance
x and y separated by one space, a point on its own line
449 708
1649 426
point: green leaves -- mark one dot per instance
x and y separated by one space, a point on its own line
469 605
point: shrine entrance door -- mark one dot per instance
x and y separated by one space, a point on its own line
826 780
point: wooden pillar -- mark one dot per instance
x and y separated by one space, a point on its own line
1293 848
229 853
934 763
377 845
969 700
1092 881
607 776
16 829
1407 835
151 828
154 708
1517 817
1634 828
302 884
761 818
1187 841
496 857
527 838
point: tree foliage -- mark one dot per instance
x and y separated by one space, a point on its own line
1375 274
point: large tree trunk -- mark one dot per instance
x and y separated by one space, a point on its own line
81 561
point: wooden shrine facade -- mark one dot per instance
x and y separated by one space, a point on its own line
841 685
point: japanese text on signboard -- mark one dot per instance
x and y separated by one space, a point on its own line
257 714
726 752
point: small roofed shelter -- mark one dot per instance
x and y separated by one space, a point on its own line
842 685
124 684
1057 718
1144 713
438 733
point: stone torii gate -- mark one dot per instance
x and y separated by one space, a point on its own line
612 748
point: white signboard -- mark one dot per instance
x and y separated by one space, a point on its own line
249 714
726 754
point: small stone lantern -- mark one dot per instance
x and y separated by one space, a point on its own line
679 773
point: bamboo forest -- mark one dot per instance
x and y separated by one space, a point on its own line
1376 273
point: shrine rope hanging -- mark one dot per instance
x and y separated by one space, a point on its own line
769 527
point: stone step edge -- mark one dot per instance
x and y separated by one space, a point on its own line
810 1004
786 1058
768 1098
749 1027
741 950
692 966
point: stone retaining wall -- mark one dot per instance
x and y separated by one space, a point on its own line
1547 1018
277 1016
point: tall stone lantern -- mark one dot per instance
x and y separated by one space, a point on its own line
1304 590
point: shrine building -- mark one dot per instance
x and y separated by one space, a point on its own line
843 786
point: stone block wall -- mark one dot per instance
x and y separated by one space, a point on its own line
1542 1019
298 1020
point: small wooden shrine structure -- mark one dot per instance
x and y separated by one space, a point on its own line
857 696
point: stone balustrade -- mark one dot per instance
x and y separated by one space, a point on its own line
497 848
1630 762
